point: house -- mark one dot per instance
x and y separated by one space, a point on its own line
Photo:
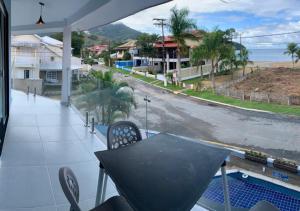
38 135
188 71
98 49
170 55
129 46
37 61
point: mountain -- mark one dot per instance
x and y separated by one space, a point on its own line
117 32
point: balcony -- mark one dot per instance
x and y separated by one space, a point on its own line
43 136
25 61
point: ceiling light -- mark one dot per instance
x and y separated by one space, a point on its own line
41 21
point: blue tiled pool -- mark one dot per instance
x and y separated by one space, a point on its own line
246 192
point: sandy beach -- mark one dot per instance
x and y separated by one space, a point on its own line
275 64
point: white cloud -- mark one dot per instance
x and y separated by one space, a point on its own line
272 41
264 8
287 10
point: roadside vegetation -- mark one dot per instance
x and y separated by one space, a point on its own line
276 108
105 98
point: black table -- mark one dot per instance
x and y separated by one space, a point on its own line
164 172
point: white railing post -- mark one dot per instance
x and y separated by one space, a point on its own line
225 188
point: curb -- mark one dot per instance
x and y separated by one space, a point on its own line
203 99
233 106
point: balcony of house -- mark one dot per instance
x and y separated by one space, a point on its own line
46 140
43 136
25 61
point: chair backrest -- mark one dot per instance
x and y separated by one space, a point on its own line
70 187
121 134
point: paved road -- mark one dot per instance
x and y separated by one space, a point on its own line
274 134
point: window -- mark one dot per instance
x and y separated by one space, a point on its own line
26 74
52 58
51 76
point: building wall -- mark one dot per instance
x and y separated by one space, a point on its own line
50 60
33 85
25 58
44 77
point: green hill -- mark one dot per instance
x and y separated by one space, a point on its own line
115 32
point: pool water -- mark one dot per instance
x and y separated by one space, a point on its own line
246 192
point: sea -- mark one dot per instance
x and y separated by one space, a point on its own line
268 55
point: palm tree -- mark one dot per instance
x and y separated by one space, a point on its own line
213 43
180 25
197 57
229 60
244 59
105 97
297 55
291 50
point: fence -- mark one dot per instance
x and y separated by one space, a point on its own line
192 72
258 96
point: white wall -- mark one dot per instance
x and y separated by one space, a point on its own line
46 62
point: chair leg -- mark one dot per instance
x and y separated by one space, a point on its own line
99 187
104 188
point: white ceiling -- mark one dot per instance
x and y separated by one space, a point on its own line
80 14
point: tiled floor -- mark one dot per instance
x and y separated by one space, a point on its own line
43 136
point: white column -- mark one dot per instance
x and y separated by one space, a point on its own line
66 66
168 62
225 188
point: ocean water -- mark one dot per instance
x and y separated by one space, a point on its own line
272 55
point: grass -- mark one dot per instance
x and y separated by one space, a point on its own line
276 108
143 78
192 81
169 86
120 71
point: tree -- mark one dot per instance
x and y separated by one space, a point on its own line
291 51
229 59
106 97
180 26
297 55
126 56
145 43
106 57
244 59
198 56
213 43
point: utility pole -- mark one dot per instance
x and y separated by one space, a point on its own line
147 100
109 54
241 45
162 22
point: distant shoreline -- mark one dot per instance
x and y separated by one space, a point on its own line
273 64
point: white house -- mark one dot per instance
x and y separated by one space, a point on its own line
38 60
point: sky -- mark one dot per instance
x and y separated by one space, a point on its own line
249 17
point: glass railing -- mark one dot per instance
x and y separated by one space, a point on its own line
110 95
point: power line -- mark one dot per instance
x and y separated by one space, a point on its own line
270 35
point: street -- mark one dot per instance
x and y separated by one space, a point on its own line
274 134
